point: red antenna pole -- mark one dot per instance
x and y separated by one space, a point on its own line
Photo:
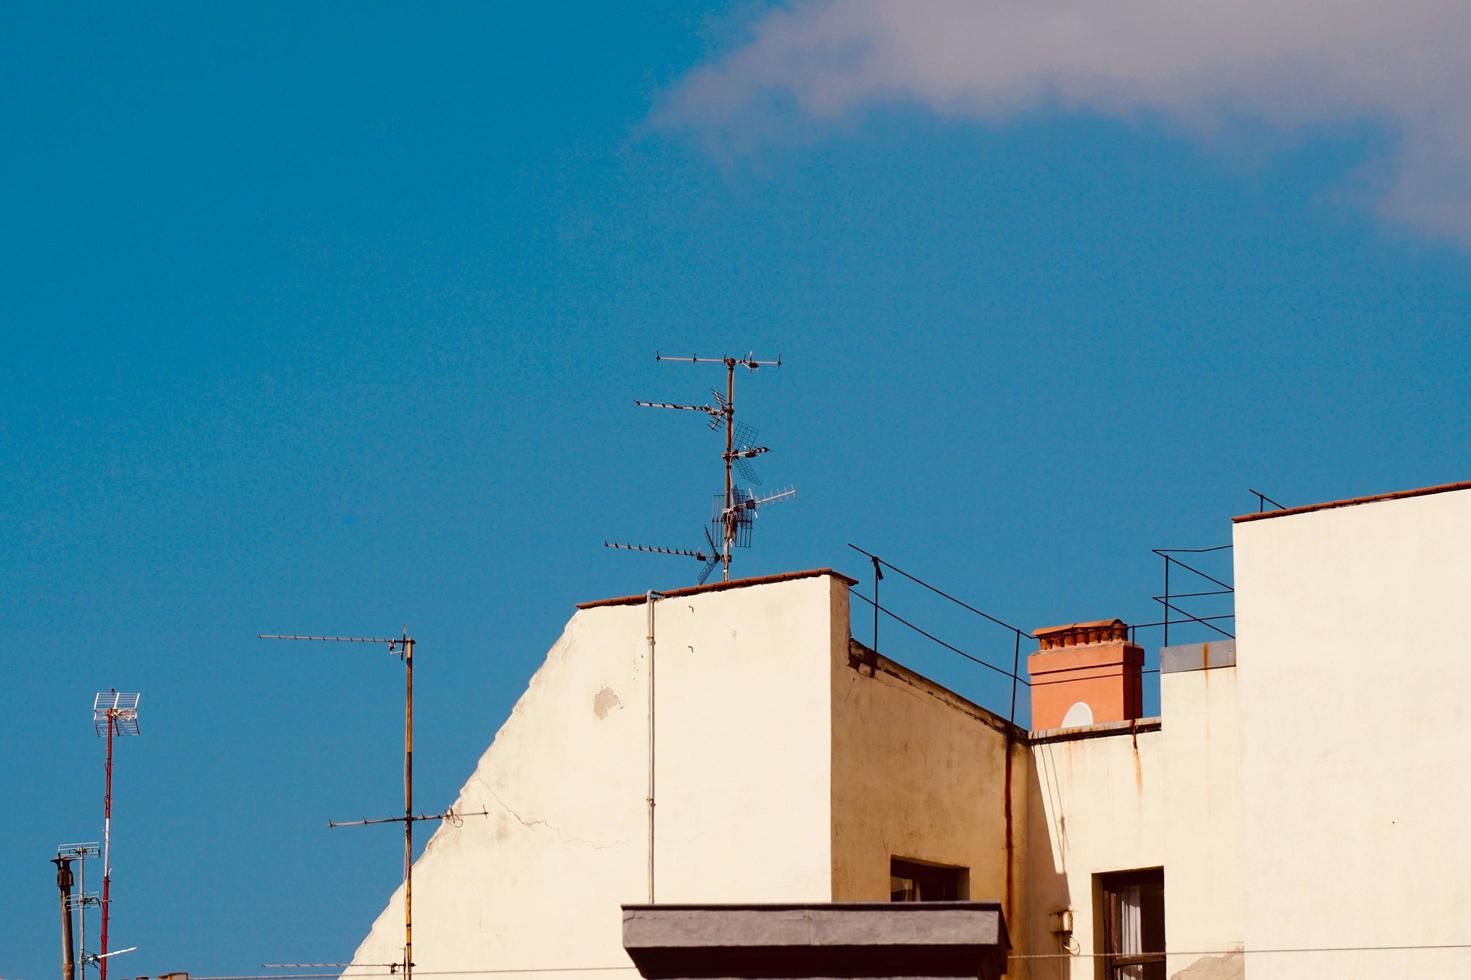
106 850
118 714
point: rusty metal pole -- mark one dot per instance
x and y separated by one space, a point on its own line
730 517
64 884
408 807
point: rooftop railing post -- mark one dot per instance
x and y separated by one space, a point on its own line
1167 599
1016 659
878 576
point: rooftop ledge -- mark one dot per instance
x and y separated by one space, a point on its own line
1351 502
740 583
1131 727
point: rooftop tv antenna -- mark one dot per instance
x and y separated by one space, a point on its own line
81 898
401 646
114 714
736 508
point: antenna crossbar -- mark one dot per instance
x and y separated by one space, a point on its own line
752 503
749 361
294 966
707 409
654 550
451 815
331 639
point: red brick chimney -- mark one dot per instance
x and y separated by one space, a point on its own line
1085 674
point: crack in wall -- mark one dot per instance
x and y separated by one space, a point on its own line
536 823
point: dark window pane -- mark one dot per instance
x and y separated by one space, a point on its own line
911 881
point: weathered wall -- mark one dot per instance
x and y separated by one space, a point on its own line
920 773
1354 666
1200 756
1095 804
743 740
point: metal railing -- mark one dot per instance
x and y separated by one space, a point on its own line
1175 615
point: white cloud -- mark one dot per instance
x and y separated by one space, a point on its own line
1404 65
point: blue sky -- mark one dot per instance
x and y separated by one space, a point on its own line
329 318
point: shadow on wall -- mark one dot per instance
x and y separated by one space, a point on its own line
1229 966
1047 886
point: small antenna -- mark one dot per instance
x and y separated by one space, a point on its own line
403 647
735 507
114 715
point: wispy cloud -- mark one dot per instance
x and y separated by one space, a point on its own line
1404 65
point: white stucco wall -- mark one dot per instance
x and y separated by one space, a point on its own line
1354 668
743 723
1095 805
1200 753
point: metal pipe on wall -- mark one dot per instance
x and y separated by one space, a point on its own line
649 598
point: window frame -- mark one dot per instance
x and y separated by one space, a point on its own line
959 877
1108 933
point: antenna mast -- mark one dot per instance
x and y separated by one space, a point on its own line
81 898
113 714
735 508
403 647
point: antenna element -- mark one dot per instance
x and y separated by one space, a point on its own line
736 507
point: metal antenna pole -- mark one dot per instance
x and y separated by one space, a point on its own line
408 648
106 852
735 507
82 911
730 364
80 899
403 646
113 713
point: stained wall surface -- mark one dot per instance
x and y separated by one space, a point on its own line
743 746
1095 805
1354 667
920 773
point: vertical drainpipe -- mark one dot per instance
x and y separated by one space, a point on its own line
1016 655
649 598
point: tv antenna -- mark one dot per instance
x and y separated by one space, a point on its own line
114 714
79 900
401 646
736 508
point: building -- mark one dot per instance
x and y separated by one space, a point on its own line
1296 810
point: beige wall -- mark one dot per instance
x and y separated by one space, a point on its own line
1355 670
1200 756
920 773
1094 805
744 747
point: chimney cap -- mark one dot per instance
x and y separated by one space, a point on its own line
1077 634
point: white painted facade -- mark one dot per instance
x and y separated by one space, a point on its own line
1304 788
1355 672
743 785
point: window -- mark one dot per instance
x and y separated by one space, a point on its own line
916 881
1131 935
